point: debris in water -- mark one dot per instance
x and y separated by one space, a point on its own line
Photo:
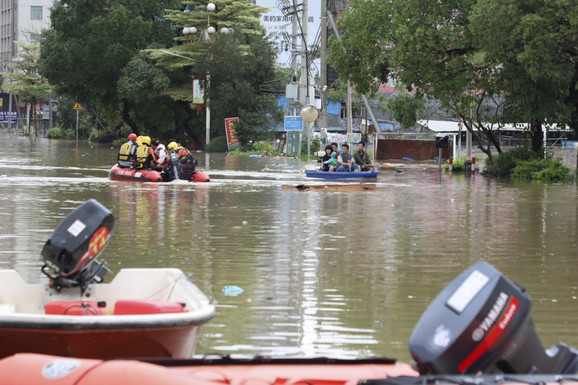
232 291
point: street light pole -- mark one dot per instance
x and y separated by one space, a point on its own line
208 109
209 30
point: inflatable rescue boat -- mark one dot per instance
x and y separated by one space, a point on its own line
130 174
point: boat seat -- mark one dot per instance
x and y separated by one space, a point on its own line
6 308
74 308
144 306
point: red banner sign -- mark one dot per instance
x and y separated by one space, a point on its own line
231 132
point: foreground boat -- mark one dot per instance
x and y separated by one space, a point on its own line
128 174
477 331
340 175
140 313
35 369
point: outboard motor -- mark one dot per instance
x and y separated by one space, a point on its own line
71 251
481 322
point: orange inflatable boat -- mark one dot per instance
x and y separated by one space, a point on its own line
130 174
37 369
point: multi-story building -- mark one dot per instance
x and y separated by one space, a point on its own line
21 20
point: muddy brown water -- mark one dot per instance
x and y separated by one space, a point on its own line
340 274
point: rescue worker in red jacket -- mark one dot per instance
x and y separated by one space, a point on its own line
187 163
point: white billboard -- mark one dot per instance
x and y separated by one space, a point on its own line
279 28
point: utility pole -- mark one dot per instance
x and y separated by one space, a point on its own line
323 70
349 110
294 31
294 54
304 82
469 135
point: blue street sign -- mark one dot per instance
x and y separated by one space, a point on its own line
293 123
5 114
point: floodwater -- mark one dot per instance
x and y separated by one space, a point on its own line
340 274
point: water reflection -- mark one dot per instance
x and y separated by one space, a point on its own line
323 273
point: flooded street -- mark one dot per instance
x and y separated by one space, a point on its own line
343 274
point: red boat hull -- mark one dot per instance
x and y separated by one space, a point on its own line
127 174
174 342
200 176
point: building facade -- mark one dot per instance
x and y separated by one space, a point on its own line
21 20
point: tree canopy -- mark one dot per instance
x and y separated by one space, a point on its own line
128 60
486 61
25 80
239 60
89 45
533 48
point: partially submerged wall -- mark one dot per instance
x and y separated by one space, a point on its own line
396 149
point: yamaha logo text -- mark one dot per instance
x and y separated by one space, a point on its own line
479 333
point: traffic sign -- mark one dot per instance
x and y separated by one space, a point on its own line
293 123
77 107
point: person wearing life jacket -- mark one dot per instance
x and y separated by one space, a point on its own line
126 154
143 157
172 169
186 163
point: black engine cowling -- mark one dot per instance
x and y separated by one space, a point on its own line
71 250
481 322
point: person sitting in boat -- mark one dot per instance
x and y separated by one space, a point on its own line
126 154
171 171
186 163
153 151
345 160
335 148
331 162
326 157
155 143
361 158
162 157
143 156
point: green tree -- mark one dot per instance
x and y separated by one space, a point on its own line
241 65
405 108
532 47
24 80
89 44
429 47
338 92
140 86
486 61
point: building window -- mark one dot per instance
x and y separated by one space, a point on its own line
36 12
35 38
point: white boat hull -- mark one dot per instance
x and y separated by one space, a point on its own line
24 326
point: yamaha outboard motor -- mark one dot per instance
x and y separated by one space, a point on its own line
71 251
481 322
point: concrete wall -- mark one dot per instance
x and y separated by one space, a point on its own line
414 149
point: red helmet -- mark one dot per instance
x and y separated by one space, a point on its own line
132 137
